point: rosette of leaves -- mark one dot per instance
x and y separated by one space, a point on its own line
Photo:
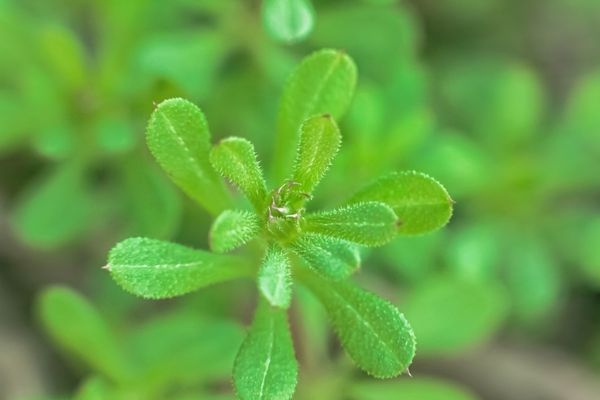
318 250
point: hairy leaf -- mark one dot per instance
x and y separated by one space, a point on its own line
288 20
319 143
421 203
266 367
178 137
231 229
274 278
372 331
156 269
322 84
235 159
370 223
331 257
75 325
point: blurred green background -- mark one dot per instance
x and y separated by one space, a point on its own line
497 99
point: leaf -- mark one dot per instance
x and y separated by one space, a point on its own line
451 315
95 388
372 331
266 367
234 158
156 269
420 202
320 141
232 229
274 278
422 388
54 210
76 326
332 258
322 84
370 223
178 137
288 20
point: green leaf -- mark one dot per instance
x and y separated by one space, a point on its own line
179 139
156 269
320 140
420 202
76 326
421 388
451 315
54 210
231 229
274 278
372 331
331 257
95 388
64 55
266 367
370 223
322 84
234 158
288 20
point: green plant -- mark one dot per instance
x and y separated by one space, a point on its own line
286 242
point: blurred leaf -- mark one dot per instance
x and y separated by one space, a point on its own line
56 142
331 257
95 388
450 315
183 348
474 251
322 84
14 121
179 139
114 134
274 278
319 143
266 367
372 331
235 159
370 223
151 204
412 258
155 269
76 326
54 210
288 20
416 388
64 55
581 117
589 253
232 229
420 202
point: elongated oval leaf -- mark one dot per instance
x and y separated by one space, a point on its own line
320 140
372 331
274 278
421 203
232 229
370 223
156 269
322 84
234 158
75 325
266 367
288 20
178 137
331 257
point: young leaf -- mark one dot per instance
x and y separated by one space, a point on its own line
319 143
274 278
156 269
266 367
372 331
331 257
178 137
421 203
231 229
288 20
235 159
73 323
370 223
323 83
